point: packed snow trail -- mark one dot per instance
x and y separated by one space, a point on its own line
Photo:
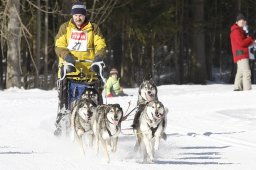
209 127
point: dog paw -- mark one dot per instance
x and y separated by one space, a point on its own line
80 132
164 136
151 161
166 110
57 132
148 161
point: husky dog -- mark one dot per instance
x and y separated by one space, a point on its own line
64 114
91 93
81 121
152 123
107 126
147 93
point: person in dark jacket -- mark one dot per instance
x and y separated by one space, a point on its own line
240 41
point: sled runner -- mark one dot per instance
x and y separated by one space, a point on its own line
72 88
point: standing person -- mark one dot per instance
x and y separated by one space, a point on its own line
240 41
77 39
112 87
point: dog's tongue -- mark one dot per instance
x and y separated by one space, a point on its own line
149 98
115 122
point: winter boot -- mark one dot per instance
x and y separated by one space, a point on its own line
58 130
62 122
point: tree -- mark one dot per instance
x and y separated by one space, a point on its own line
46 34
37 47
13 77
187 41
198 43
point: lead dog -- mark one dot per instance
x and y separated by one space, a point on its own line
81 122
107 126
152 123
147 93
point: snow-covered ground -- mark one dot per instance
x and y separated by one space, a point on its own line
209 127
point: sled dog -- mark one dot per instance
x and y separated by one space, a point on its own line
147 92
107 126
64 116
152 123
91 93
81 122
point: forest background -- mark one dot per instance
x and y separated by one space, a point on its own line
173 41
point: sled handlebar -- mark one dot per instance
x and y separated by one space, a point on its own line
84 61
100 64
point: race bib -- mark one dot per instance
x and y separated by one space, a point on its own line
78 41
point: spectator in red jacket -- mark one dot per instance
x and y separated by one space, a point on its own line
240 41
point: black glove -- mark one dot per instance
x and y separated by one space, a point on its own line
70 59
95 68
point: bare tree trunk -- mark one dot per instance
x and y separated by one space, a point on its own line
182 53
153 61
178 43
1 69
46 47
38 44
212 44
13 45
99 14
93 9
198 43
239 5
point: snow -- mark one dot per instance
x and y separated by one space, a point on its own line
210 127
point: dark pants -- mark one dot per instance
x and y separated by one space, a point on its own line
252 66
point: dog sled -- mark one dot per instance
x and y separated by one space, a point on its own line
72 88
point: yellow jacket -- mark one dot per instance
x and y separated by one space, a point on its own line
95 46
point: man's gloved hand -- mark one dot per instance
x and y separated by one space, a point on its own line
95 68
70 59
246 29
109 95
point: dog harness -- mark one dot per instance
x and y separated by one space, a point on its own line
153 130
